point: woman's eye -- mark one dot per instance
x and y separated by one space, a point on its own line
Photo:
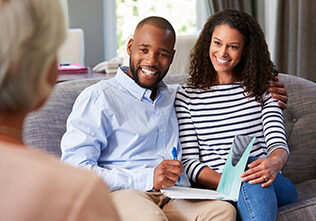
217 42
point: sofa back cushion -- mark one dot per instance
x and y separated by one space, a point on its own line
44 129
300 126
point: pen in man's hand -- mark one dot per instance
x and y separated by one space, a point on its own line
175 156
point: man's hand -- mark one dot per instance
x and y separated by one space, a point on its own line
278 91
167 173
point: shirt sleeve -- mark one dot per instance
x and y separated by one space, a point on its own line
188 137
86 138
273 127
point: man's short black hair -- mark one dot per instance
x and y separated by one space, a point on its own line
158 22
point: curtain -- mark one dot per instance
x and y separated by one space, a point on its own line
295 40
241 5
109 29
206 8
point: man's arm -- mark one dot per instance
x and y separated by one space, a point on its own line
278 91
85 139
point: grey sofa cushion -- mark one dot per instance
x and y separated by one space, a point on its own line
44 129
301 211
306 189
299 120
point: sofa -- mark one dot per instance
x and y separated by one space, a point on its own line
43 129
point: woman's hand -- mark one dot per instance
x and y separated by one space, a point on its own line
265 170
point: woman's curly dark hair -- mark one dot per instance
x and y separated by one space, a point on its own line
255 68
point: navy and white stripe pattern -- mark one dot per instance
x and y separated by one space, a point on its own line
210 119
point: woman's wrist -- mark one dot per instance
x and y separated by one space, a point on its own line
208 177
280 157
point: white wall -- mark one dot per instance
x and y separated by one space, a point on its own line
88 15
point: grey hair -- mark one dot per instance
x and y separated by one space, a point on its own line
31 33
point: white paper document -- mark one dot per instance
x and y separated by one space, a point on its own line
230 182
178 192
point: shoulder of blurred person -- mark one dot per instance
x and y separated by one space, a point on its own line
36 186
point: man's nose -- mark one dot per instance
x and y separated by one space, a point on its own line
151 59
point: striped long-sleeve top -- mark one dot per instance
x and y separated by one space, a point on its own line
210 119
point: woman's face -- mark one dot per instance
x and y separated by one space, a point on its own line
226 49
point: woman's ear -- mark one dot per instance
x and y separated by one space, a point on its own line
52 74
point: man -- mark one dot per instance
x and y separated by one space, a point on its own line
124 129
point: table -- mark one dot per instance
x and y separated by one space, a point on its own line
77 75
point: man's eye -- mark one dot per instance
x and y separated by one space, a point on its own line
163 55
143 50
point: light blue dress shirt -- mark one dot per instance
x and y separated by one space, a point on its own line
116 130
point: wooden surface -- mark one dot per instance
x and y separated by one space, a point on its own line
63 76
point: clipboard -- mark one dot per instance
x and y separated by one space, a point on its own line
229 185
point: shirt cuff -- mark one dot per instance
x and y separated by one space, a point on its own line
149 185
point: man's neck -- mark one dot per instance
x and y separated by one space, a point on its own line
154 90
153 94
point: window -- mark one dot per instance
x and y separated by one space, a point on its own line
180 13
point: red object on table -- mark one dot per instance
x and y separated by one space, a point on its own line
72 68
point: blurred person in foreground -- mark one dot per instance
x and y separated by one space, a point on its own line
34 185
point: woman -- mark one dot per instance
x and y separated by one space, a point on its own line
226 96
35 186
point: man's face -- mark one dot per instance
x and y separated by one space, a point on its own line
151 53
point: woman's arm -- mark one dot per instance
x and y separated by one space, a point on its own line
208 177
265 170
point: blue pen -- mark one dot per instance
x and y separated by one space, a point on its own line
175 156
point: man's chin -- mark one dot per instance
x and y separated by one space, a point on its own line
141 81
147 85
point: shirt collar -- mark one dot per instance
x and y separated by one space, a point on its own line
132 87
